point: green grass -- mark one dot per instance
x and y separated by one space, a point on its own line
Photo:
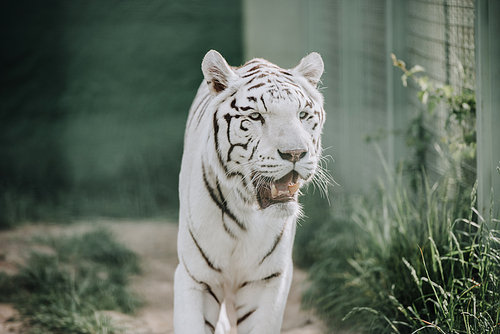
403 263
63 292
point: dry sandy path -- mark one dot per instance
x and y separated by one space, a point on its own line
155 242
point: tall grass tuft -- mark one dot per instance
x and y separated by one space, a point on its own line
410 266
63 292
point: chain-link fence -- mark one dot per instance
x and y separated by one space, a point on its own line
441 39
355 38
350 35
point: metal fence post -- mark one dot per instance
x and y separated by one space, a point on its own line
487 39
397 113
351 111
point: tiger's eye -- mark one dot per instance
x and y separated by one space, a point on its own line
255 116
302 114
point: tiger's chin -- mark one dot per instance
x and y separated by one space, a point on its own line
283 210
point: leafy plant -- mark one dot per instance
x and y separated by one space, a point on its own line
409 266
461 108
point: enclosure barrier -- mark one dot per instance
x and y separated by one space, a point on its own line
458 43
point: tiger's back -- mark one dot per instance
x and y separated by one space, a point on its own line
252 140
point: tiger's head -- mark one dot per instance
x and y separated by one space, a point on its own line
267 125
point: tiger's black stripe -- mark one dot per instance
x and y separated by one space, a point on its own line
276 242
244 317
244 146
208 288
219 154
242 128
228 118
199 110
253 150
256 67
256 86
276 274
253 61
212 328
207 260
264 103
244 197
228 212
216 140
249 74
233 105
290 82
203 107
226 228
220 201
209 188
263 75
249 81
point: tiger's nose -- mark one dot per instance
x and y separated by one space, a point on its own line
292 155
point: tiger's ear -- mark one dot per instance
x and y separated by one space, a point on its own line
218 74
310 67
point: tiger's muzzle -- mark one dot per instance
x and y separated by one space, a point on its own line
278 191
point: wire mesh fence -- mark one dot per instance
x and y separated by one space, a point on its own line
355 37
441 39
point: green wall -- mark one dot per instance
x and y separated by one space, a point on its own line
94 96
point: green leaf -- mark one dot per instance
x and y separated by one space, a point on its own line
420 95
431 105
448 91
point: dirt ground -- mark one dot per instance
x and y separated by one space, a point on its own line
155 242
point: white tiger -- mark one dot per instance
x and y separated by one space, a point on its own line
252 140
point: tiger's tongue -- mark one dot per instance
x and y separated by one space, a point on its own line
285 181
286 186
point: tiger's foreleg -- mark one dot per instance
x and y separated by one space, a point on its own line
260 304
196 304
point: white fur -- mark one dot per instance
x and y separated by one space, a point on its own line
232 260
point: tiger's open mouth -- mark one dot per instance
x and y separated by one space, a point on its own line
278 191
